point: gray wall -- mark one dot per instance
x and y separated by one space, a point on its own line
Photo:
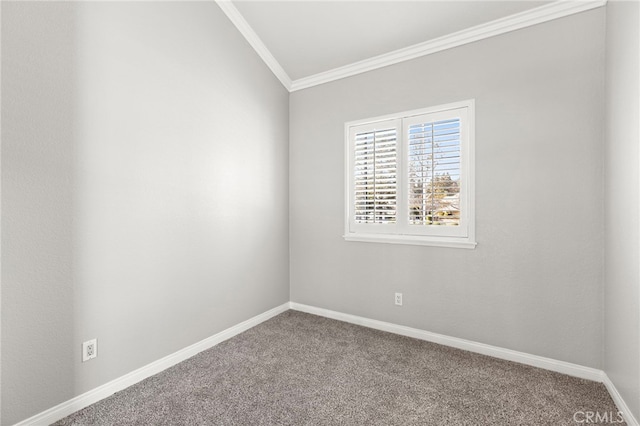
622 202
144 189
124 123
534 282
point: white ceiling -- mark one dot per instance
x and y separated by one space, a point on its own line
306 43
310 37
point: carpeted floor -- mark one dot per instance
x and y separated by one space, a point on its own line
301 369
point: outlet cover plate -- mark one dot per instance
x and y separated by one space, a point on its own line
89 349
399 299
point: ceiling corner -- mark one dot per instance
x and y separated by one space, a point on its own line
551 11
245 29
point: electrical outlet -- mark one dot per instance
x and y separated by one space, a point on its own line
89 349
399 299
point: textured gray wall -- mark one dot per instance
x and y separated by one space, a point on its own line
124 123
622 202
534 283
144 185
38 90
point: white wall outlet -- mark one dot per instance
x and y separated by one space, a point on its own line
399 299
89 349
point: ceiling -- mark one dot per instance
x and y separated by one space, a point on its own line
309 37
306 43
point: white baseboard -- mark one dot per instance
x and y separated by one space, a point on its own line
494 351
468 345
64 409
617 398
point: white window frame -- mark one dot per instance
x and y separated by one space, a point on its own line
401 232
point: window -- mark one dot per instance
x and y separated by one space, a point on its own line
410 177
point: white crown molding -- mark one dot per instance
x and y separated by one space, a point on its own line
545 13
514 22
245 29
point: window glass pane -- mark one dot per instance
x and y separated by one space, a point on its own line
434 173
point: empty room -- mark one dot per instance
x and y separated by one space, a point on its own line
320 212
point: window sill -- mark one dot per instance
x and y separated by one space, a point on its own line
412 240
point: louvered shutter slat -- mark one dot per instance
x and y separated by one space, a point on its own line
375 183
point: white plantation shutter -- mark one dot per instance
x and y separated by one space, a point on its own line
373 169
410 177
375 180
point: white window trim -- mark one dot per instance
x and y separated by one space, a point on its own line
467 169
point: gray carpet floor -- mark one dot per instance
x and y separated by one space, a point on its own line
301 369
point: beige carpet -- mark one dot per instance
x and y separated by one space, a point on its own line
300 369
